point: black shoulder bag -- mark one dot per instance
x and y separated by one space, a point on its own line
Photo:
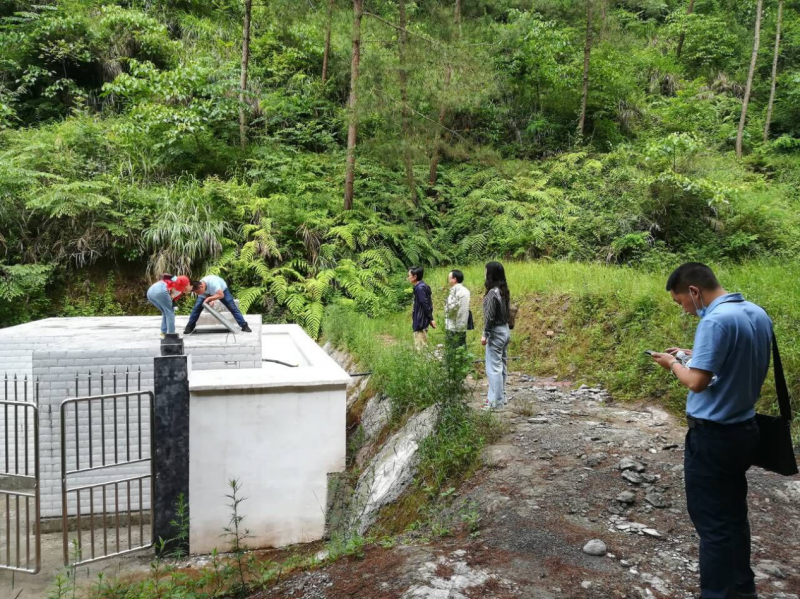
775 451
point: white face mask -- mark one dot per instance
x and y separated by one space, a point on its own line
701 311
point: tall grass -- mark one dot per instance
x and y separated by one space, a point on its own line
590 323
414 380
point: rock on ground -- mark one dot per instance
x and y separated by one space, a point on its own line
595 547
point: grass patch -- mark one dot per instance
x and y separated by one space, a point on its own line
413 381
590 323
524 407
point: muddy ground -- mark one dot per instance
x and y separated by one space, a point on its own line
571 467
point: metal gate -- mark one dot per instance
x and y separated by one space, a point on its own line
106 474
19 477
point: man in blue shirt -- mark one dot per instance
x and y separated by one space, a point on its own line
422 314
209 289
729 362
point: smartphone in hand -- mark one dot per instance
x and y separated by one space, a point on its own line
649 352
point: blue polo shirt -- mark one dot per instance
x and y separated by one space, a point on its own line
733 341
213 284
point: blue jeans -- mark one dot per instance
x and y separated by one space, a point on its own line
716 460
497 340
227 301
160 298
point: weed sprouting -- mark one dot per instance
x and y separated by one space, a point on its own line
237 535
181 524
61 587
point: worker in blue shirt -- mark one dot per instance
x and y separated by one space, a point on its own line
728 365
210 289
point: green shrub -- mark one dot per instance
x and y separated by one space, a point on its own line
22 292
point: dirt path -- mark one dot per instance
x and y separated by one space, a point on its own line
571 468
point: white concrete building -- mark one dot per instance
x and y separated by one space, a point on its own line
55 351
279 431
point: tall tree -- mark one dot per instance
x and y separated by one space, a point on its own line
437 142
248 5
682 37
352 128
406 114
326 54
749 85
774 69
448 73
587 53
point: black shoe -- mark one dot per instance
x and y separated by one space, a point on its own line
188 330
246 329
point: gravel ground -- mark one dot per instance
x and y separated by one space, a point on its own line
572 467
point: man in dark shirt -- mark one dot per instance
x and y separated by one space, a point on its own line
422 315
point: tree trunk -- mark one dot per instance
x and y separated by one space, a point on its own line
243 83
437 144
327 52
774 70
587 52
604 19
689 11
748 87
352 128
403 39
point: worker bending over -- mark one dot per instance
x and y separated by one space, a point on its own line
162 294
209 289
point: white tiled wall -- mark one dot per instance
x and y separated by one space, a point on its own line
56 372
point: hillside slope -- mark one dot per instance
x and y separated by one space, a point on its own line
121 151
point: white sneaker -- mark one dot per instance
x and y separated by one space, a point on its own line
163 335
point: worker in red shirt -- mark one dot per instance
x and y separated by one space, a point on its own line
162 293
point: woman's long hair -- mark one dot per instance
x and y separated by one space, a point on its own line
496 277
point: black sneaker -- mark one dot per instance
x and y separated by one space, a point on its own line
246 329
188 330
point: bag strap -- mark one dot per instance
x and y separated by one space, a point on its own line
780 383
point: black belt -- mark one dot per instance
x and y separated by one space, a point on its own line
699 422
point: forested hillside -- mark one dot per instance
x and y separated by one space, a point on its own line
309 149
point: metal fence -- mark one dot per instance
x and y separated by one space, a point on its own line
106 469
114 507
19 476
108 380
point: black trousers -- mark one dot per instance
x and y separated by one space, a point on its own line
716 460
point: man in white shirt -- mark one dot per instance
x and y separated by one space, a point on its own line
209 289
456 311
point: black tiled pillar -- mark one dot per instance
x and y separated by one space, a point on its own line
171 442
